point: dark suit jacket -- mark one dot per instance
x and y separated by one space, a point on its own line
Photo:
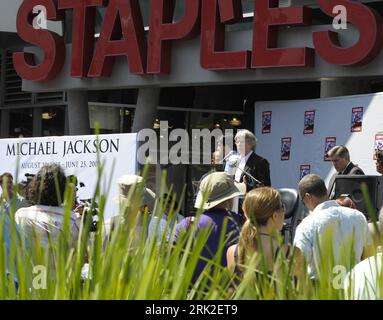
350 169
259 168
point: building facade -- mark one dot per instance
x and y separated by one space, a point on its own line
188 96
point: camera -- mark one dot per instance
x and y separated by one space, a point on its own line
88 210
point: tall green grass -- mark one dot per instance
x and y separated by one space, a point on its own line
130 265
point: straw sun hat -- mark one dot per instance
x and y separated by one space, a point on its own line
218 187
125 182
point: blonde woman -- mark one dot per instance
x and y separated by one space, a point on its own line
265 215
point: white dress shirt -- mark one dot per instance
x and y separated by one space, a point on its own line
347 227
241 166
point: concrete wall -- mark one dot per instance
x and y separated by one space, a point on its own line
8 12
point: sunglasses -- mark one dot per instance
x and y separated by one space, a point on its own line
282 207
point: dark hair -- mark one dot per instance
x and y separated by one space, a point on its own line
7 175
312 184
379 156
48 186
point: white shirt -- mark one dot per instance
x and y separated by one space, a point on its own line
157 227
241 166
364 280
45 221
344 225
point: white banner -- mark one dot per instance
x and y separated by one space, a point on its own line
293 135
78 156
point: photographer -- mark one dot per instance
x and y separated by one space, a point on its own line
46 216
87 209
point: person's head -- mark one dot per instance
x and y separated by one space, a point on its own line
218 190
245 142
72 185
216 157
48 186
169 200
128 181
340 157
6 183
379 161
312 191
264 209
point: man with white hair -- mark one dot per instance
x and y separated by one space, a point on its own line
250 164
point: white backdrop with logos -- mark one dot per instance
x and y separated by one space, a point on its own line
77 155
293 135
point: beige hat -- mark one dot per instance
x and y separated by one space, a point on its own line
125 182
218 187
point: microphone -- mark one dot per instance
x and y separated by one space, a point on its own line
228 155
231 163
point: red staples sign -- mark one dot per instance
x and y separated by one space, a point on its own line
123 34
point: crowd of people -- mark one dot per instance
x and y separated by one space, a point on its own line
252 229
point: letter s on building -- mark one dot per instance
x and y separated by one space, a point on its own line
52 44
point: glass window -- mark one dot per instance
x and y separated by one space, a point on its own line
53 121
212 121
178 175
21 123
111 119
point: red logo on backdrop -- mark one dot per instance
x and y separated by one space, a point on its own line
309 122
329 144
357 119
266 122
123 34
305 170
286 149
378 143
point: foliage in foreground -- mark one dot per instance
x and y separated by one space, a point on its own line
130 265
